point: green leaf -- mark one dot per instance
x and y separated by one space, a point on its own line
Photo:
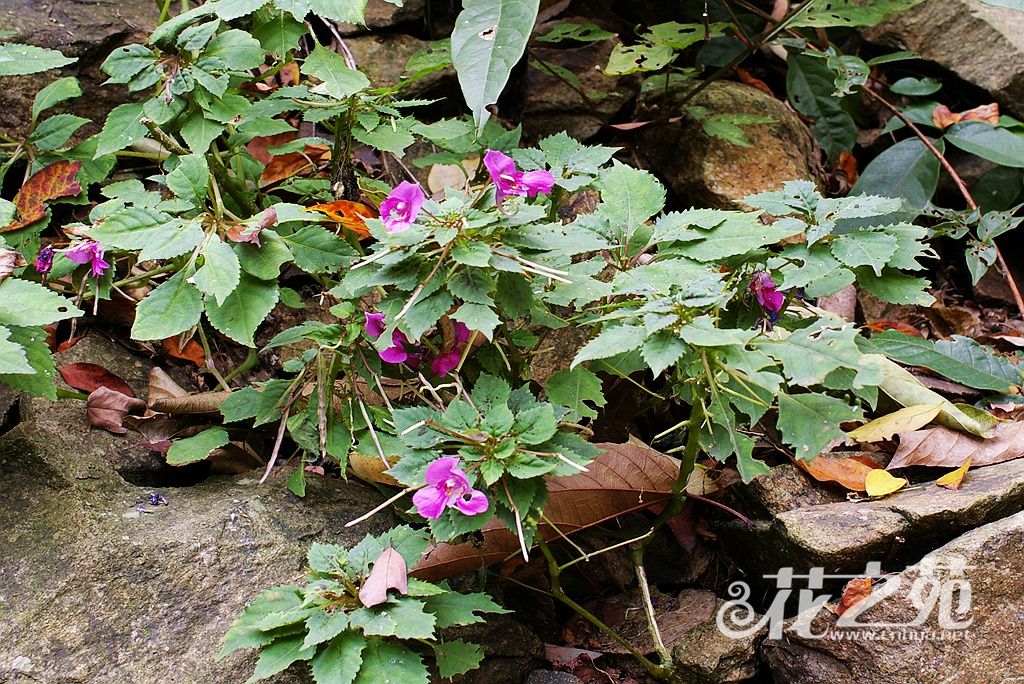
339 81
895 287
122 128
612 341
663 349
197 448
13 359
199 132
32 341
629 197
156 234
280 34
452 608
126 63
240 405
55 131
24 303
189 179
243 633
343 11
849 13
234 9
264 261
236 50
961 359
391 663
489 39
572 387
20 60
277 656
170 309
810 355
244 309
471 253
916 87
809 422
739 234
220 273
456 657
339 663
582 32
478 317
324 625
865 248
988 142
60 90
907 170
629 59
809 86
317 250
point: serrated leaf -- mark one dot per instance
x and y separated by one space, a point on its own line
122 128
60 90
610 342
33 341
452 608
244 309
456 657
663 349
277 656
127 61
338 81
189 179
478 317
234 9
24 303
810 355
236 50
154 233
339 663
895 287
317 250
383 661
809 422
199 132
629 197
13 359
739 234
280 34
55 131
961 359
197 448
17 59
220 272
264 261
865 248
240 405
572 388
170 309
490 37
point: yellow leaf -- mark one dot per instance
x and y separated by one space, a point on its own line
904 420
953 480
881 483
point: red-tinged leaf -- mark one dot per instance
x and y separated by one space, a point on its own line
988 112
50 182
622 479
942 447
90 376
851 472
106 409
855 595
163 446
348 214
68 343
943 117
752 81
192 351
905 328
10 260
389 572
848 163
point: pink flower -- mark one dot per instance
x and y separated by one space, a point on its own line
44 261
448 361
398 352
510 181
450 489
89 253
764 289
402 206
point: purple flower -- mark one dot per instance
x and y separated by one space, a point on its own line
402 206
450 490
89 253
510 181
44 262
764 289
398 352
448 361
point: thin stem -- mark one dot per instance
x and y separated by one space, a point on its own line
637 556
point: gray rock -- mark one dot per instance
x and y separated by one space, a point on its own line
711 172
703 654
511 651
553 105
786 488
552 677
382 15
990 558
843 537
949 33
382 57
94 590
86 29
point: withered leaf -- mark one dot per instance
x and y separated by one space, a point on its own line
389 572
50 182
855 594
882 483
106 409
944 448
10 260
954 479
850 471
90 376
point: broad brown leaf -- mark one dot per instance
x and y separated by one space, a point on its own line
90 376
943 117
10 260
623 478
988 112
192 351
389 572
50 182
851 471
944 448
107 408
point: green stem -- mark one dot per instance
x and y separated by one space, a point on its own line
251 361
67 394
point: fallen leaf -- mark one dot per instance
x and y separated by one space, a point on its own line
348 214
106 409
954 479
10 260
49 182
622 479
285 166
372 468
905 328
752 81
90 376
162 385
389 572
944 448
988 112
882 483
904 420
943 118
192 351
855 595
848 163
850 472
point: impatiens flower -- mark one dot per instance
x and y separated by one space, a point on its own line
398 352
510 181
448 487
89 253
402 206
764 289
448 361
44 262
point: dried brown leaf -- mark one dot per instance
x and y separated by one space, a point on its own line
90 376
943 117
988 112
10 260
855 595
106 409
389 572
850 472
944 448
